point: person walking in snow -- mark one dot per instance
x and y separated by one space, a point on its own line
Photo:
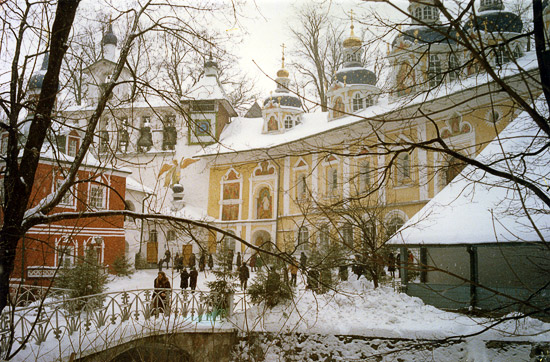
293 268
239 260
161 294
252 262
184 279
167 257
391 265
192 260
303 262
244 274
210 261
193 275
202 262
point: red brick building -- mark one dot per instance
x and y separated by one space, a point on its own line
47 248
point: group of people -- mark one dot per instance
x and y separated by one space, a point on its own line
179 262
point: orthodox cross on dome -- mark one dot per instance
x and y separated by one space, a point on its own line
283 58
351 18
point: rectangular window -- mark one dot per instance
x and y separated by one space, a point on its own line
171 235
364 176
332 181
61 142
68 198
203 127
153 236
347 235
303 239
301 186
97 197
65 255
73 146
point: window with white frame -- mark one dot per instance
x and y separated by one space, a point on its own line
65 255
357 102
95 247
153 236
369 101
288 122
332 181
393 225
454 67
347 235
97 197
502 55
418 13
229 241
403 168
67 199
303 239
301 183
74 143
171 235
364 176
434 70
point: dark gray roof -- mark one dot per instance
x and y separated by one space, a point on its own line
35 82
254 111
286 100
496 21
355 76
109 37
428 35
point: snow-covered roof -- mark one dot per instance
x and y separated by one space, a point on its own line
191 212
245 134
477 207
207 88
135 185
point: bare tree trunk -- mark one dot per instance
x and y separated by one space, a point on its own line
20 179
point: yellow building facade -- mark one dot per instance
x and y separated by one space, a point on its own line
288 185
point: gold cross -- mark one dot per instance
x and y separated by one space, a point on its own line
283 46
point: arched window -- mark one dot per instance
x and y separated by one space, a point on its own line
339 108
272 124
502 55
454 67
369 101
303 239
403 168
264 204
357 102
393 225
418 13
517 53
332 181
288 122
434 70
429 13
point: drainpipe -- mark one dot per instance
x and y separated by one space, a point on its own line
142 221
474 277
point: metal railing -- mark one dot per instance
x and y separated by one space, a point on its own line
121 315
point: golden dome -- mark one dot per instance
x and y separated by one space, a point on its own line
352 41
283 73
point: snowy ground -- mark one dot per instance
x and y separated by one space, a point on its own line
357 309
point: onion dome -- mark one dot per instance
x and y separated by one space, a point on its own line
282 73
210 63
427 35
35 82
282 96
109 37
285 100
496 21
356 75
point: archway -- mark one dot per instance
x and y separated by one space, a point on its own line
152 352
